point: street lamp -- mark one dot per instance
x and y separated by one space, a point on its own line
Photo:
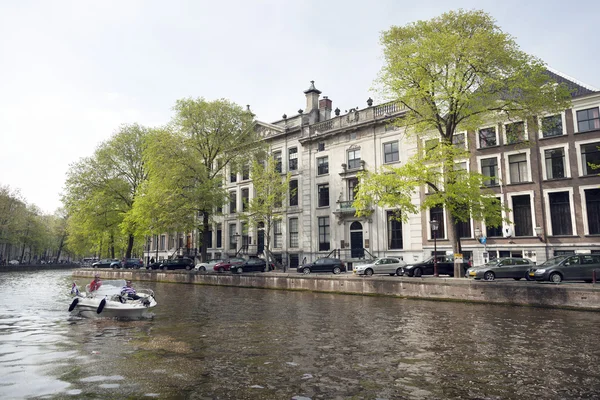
434 227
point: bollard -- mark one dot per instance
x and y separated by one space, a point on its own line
594 277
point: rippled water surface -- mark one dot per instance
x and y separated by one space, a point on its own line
228 343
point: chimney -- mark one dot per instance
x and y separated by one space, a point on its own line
312 98
324 109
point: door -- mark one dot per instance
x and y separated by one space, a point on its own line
356 240
260 241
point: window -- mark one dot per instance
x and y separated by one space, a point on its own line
390 152
560 213
294 261
245 237
515 132
495 231
324 235
590 155
293 193
219 236
588 120
232 237
459 140
245 198
322 165
592 202
293 159
354 159
487 137
233 176
246 172
394 228
209 244
437 213
431 144
464 229
323 194
517 165
277 158
232 202
162 242
352 188
293 230
555 163
321 146
277 234
522 215
552 126
489 168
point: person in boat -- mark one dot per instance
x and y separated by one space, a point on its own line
129 291
96 283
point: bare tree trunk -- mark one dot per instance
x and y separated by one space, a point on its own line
205 236
129 246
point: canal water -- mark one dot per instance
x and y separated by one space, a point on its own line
232 343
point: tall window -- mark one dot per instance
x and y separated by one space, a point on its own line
209 244
245 236
555 163
495 231
522 213
354 159
437 213
588 120
459 140
277 234
592 203
464 228
293 159
590 155
323 193
232 202
246 172
162 242
394 228
515 132
245 198
293 231
352 188
232 237
390 152
431 144
517 165
489 168
487 137
322 165
277 158
552 126
324 234
293 192
219 236
560 213
233 176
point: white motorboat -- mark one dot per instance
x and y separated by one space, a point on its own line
107 301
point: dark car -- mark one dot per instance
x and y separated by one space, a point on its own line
578 267
506 267
445 266
178 263
155 265
251 265
227 264
325 264
105 263
131 263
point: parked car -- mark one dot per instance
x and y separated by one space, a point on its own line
325 264
105 263
252 265
227 264
178 263
155 265
385 265
505 267
578 267
204 266
132 263
13 262
445 266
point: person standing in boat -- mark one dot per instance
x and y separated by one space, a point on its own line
129 291
96 283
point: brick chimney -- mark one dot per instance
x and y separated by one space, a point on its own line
324 109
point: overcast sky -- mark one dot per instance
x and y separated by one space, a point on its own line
71 72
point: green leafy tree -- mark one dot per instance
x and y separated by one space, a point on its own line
454 73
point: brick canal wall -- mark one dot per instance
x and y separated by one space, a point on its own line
565 295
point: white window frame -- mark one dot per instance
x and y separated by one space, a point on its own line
502 201
507 154
486 127
511 216
578 151
581 107
584 213
525 132
544 115
548 216
499 162
429 235
466 137
565 147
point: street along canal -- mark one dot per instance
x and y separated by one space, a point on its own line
239 343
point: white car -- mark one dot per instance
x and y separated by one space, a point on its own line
384 265
205 266
13 262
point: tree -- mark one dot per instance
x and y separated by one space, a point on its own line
454 73
187 162
269 196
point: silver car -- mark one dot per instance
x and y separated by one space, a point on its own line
385 265
506 267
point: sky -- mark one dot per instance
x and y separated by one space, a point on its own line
72 72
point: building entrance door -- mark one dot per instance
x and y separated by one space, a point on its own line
260 240
356 240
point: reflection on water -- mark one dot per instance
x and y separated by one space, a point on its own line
230 343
